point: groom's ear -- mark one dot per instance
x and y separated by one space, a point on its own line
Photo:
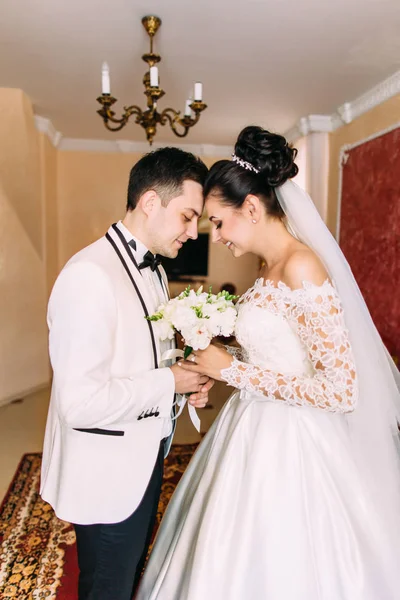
149 202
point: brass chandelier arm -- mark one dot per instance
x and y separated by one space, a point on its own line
123 123
174 119
108 115
133 110
128 112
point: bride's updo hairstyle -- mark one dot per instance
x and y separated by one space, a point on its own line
261 162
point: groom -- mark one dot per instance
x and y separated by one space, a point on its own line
109 424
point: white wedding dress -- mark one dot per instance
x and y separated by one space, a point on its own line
273 505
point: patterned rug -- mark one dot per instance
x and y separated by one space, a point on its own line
37 551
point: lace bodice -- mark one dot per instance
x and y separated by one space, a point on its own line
294 347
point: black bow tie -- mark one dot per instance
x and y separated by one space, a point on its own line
150 260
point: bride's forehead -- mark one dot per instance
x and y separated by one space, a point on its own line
217 210
215 202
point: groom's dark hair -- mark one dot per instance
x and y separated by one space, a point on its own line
164 171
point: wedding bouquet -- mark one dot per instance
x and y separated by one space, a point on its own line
197 316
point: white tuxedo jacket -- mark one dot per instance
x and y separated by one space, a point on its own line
109 397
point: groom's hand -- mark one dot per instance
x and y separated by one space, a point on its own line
188 382
200 399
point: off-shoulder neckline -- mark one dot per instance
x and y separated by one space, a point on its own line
269 285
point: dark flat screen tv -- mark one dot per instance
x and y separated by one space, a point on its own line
192 260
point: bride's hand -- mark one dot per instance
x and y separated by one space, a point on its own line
209 362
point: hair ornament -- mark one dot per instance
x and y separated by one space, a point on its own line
244 164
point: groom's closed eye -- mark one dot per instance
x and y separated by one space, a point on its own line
189 216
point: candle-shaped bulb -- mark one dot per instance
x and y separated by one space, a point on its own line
188 110
105 79
198 91
153 76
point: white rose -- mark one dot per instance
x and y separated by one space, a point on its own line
228 321
170 309
202 298
163 329
192 299
198 338
184 317
213 323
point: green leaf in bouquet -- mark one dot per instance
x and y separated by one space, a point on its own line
198 311
156 317
185 293
210 295
228 297
187 352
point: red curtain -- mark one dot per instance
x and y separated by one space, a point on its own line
370 229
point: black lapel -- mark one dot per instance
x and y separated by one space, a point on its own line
165 284
126 245
142 302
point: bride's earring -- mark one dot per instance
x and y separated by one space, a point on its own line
254 221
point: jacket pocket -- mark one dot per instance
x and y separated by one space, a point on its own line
97 431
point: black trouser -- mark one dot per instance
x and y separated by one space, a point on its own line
111 556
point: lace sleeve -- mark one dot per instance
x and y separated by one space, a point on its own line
235 352
319 323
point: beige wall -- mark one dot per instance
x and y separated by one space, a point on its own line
23 336
374 121
48 163
91 193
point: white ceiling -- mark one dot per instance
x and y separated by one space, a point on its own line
260 61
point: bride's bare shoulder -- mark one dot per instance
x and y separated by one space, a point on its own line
303 265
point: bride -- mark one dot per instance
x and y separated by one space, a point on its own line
294 494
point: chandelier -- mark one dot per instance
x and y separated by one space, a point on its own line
150 118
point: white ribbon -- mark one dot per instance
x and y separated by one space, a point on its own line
181 400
